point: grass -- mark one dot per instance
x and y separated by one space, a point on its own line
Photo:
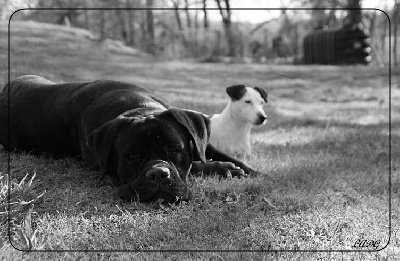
324 155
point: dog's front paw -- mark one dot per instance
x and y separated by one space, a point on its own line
227 170
220 168
249 170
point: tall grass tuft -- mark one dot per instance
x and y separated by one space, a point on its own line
17 207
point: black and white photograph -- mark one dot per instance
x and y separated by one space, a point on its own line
199 130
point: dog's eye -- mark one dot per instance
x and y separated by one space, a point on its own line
173 149
133 158
247 101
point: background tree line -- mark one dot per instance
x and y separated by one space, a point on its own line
186 30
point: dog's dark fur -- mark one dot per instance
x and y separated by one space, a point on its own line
124 130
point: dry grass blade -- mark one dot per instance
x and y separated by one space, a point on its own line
21 196
18 205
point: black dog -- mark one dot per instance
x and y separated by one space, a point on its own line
124 130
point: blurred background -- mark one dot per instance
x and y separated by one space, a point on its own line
216 31
325 148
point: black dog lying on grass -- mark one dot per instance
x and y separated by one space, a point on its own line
123 130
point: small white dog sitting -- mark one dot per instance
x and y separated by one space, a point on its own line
230 130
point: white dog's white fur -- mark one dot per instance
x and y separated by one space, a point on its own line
230 130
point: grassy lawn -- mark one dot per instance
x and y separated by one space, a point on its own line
324 155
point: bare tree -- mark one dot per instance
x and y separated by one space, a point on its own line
318 14
354 16
396 21
227 22
131 23
122 24
150 27
143 35
321 15
384 29
177 15
261 25
371 18
196 19
181 30
205 23
102 22
332 20
188 19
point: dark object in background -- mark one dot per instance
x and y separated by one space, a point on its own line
347 45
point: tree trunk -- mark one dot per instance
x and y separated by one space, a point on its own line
229 38
296 39
226 20
179 23
188 19
122 24
196 33
242 45
102 25
318 18
131 23
266 44
384 29
217 47
143 42
205 23
332 19
372 24
355 15
177 16
196 19
396 21
150 27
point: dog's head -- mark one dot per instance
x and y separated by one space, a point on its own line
152 156
247 103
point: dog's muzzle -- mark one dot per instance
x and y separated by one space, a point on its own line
159 173
158 180
261 119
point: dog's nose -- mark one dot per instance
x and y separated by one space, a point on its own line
158 174
261 119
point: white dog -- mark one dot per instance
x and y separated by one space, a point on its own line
230 130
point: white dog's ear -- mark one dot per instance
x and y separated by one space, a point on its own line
263 93
236 92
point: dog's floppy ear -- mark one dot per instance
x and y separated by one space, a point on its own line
263 93
101 142
236 92
198 126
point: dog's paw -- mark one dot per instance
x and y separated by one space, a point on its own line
227 170
220 168
239 173
250 171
